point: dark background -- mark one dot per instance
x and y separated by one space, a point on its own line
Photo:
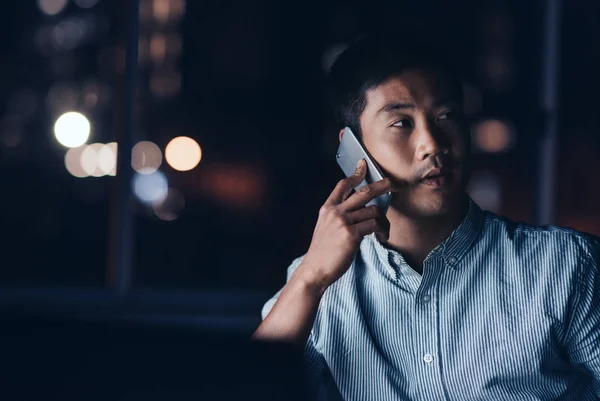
251 94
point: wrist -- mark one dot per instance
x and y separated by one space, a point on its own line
311 280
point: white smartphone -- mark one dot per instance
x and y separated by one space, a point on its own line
350 151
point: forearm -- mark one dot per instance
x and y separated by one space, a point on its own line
293 315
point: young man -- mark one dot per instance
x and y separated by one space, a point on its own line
437 300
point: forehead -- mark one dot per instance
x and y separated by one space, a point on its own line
423 88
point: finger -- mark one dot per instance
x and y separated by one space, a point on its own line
369 227
383 232
344 187
362 214
365 194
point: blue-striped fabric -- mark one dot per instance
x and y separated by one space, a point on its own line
503 311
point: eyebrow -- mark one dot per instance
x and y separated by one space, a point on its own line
394 107
404 106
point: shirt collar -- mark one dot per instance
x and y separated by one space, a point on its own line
452 249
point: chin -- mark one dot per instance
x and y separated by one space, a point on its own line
429 204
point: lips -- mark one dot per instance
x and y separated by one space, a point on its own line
435 173
436 178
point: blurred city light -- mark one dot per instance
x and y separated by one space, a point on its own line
72 129
73 162
241 187
493 136
485 190
165 82
68 34
62 96
183 153
169 208
51 7
146 157
107 159
150 188
96 160
86 3
158 47
90 159
168 10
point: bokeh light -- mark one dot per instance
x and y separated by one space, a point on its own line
183 153
238 186
72 129
493 136
68 34
107 159
150 188
96 160
165 83
90 161
169 208
86 3
168 10
146 157
73 162
51 7
63 96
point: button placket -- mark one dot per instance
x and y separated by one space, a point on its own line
426 331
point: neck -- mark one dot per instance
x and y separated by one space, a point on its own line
415 238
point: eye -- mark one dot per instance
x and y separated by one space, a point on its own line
447 115
403 123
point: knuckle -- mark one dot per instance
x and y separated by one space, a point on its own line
365 190
374 224
324 210
345 184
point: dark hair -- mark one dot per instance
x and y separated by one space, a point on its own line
371 60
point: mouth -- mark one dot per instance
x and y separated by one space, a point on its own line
436 178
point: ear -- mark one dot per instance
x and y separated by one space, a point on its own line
341 134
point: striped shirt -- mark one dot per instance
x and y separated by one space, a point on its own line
502 311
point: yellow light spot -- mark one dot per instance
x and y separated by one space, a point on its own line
493 136
183 153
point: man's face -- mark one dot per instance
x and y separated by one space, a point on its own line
413 127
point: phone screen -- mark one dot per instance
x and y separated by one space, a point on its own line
350 151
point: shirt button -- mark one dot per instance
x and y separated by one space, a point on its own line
426 299
452 260
428 358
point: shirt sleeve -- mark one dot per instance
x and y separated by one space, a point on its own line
583 339
271 302
315 363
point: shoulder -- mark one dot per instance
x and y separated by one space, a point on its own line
551 238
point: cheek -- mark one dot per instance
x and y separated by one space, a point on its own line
393 157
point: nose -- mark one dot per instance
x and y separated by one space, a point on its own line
430 141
